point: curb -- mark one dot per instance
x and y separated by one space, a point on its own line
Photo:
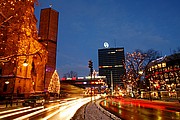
112 116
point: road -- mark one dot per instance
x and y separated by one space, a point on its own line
59 110
136 109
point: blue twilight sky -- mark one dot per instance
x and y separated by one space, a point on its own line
84 25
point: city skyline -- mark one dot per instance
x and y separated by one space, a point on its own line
84 25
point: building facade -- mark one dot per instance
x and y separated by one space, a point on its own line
164 73
111 65
22 58
48 30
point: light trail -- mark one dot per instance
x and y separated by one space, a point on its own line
68 106
61 109
68 113
70 110
8 111
36 112
67 99
43 110
66 110
54 113
11 114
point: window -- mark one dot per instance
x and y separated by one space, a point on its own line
159 65
156 66
176 66
163 64
152 67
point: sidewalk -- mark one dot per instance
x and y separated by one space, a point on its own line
6 106
93 111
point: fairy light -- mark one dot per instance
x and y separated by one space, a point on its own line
19 32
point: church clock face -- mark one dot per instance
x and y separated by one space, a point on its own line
106 44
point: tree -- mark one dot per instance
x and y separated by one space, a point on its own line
54 86
18 32
136 63
151 55
70 74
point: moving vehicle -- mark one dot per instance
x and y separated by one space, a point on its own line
34 100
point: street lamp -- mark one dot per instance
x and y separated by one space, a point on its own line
25 63
7 82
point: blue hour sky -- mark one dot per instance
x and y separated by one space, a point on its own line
84 25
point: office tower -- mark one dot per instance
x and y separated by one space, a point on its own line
48 30
111 65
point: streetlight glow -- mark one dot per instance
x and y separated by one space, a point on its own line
7 82
25 63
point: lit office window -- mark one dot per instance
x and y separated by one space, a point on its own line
159 65
152 67
156 66
163 64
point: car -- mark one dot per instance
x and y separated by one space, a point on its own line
34 101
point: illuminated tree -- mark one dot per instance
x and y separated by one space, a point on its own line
136 63
18 32
54 86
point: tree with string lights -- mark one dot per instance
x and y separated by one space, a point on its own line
19 45
54 86
135 65
18 29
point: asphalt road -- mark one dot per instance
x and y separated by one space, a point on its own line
136 109
53 110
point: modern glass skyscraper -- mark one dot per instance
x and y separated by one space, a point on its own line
111 65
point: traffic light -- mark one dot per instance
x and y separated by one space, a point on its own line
90 64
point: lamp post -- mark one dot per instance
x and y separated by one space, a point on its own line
90 65
111 84
6 82
25 64
6 85
11 98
